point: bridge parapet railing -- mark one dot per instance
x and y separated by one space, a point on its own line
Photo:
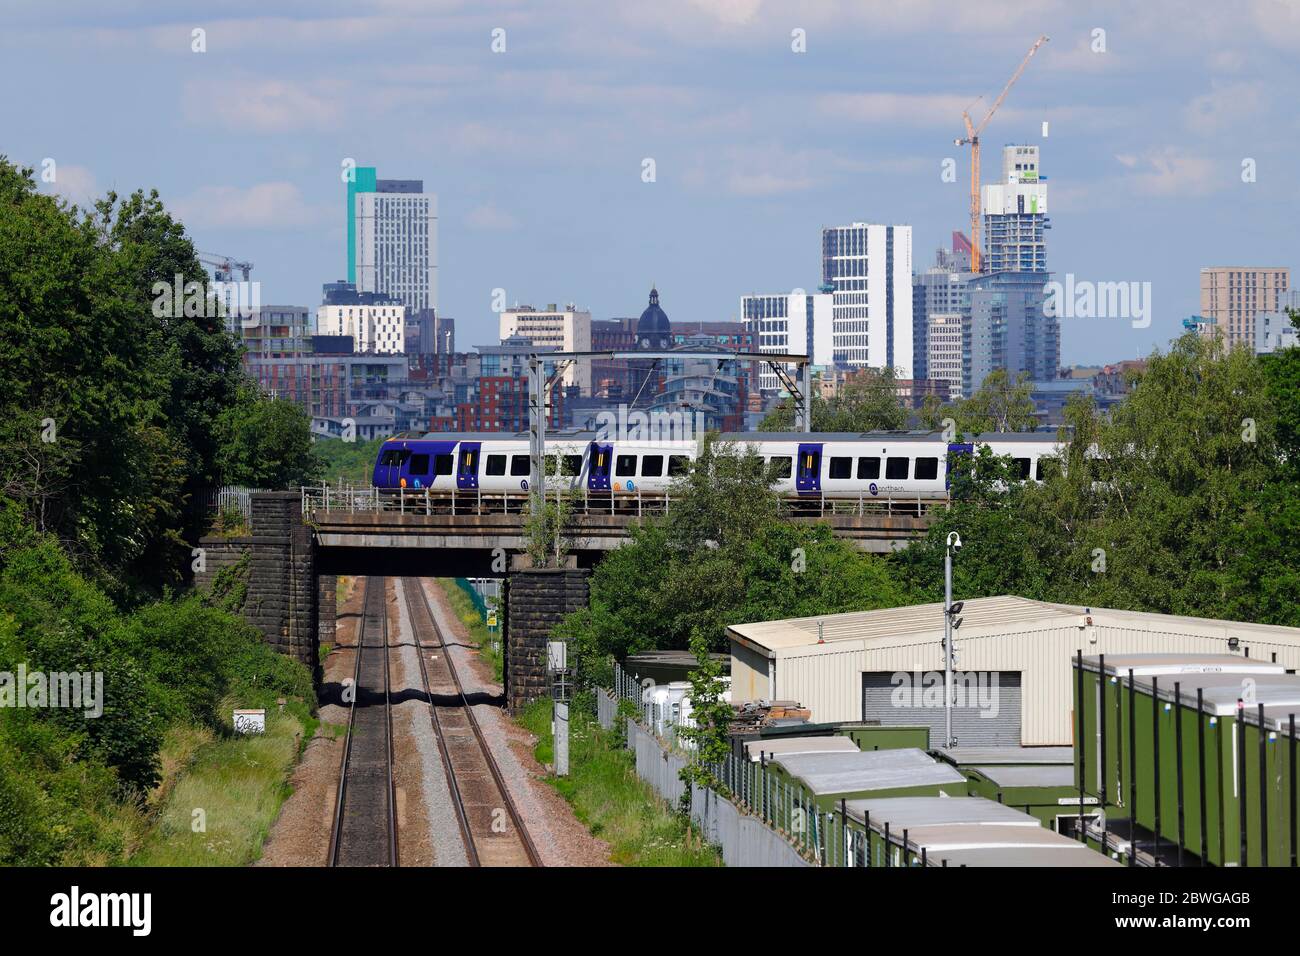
360 499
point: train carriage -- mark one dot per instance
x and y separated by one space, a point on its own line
867 466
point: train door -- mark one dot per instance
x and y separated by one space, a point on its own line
966 451
385 467
467 466
808 476
601 460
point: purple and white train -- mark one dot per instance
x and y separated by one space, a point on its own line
830 465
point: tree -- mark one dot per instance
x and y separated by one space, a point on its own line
866 401
265 443
708 732
1000 405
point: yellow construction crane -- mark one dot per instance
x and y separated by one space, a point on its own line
973 138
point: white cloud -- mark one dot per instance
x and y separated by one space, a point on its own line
74 183
1172 171
1224 106
489 218
247 105
276 205
908 109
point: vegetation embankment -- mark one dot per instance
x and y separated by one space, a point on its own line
610 799
124 403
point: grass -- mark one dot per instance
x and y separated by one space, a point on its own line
611 800
221 793
489 642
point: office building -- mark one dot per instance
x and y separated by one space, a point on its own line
867 270
1232 296
1274 330
564 330
393 238
790 324
375 321
944 342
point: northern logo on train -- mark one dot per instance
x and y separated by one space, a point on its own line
873 489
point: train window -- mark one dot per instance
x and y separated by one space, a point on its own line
625 466
570 465
896 468
780 467
868 468
678 465
442 464
394 456
520 466
496 465
652 466
1020 468
419 465
841 468
927 469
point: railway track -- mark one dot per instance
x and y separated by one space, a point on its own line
365 819
490 824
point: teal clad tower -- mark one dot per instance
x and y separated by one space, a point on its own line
364 180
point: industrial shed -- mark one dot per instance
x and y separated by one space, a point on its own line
846 667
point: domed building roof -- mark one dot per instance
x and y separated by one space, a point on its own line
653 330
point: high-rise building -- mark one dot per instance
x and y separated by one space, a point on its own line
393 238
943 289
1015 215
867 269
1274 330
565 330
797 323
1008 329
944 346
1232 296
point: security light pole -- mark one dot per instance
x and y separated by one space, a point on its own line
953 543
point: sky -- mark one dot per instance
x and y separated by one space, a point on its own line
537 152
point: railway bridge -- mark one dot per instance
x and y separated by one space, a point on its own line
283 572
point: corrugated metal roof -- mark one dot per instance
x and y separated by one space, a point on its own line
1049 775
1075 854
945 839
983 615
991 756
905 812
916 619
828 773
1160 665
799 745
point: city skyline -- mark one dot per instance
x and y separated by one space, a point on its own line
537 153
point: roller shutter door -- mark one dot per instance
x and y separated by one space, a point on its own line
974 723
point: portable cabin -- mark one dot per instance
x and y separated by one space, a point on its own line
963 757
1046 792
1192 757
804 791
938 831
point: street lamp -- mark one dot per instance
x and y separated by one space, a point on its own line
950 623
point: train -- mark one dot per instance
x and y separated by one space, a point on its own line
885 465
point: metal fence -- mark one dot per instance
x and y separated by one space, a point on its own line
231 498
364 499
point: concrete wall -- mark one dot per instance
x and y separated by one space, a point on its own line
536 600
